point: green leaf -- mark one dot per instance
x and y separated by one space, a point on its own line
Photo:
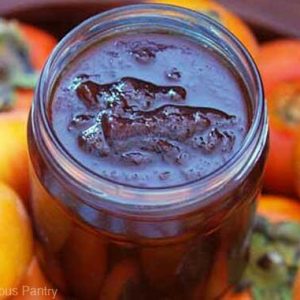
25 81
16 70
7 98
281 293
274 260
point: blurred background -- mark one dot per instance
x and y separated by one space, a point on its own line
271 33
268 18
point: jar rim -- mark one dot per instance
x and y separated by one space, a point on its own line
136 197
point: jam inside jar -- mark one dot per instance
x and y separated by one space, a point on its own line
147 139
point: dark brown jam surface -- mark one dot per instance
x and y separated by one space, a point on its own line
151 110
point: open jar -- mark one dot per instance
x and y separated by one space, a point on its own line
103 239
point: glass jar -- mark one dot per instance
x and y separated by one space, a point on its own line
98 239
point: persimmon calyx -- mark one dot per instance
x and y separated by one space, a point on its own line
290 109
274 260
16 70
284 102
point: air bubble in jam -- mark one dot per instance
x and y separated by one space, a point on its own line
214 139
164 175
173 74
144 52
77 81
93 141
144 55
136 158
81 120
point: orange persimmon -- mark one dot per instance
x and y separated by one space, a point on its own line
37 45
278 208
279 65
16 240
13 152
279 61
118 280
297 287
85 270
229 20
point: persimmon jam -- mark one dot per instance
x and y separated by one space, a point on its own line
148 141
153 110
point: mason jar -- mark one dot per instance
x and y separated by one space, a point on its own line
99 239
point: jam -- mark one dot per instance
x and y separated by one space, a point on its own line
147 146
150 110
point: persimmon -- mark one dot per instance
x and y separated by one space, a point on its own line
162 262
296 294
279 65
120 279
278 208
232 22
23 51
296 162
84 263
50 216
280 169
16 240
274 252
40 44
278 62
13 153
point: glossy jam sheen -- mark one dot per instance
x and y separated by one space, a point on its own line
150 110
